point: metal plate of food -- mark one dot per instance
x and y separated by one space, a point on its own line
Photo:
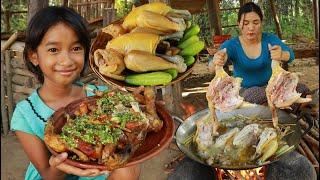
108 132
228 153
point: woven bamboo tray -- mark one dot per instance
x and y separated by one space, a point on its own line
100 42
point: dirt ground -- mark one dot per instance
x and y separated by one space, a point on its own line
14 161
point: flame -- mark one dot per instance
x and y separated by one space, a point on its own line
188 108
251 174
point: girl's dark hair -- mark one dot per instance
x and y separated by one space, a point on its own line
42 21
250 7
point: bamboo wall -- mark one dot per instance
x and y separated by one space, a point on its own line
91 10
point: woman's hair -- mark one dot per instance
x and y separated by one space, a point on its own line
42 21
249 7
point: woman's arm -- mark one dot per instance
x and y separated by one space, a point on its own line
286 53
219 59
38 155
278 54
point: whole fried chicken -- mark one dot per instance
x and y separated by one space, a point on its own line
106 129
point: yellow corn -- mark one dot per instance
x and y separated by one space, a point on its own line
135 41
156 7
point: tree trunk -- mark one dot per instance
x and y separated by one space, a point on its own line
34 6
260 3
296 12
214 17
276 19
65 3
242 2
315 8
164 1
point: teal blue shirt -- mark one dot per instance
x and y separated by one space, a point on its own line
24 119
254 72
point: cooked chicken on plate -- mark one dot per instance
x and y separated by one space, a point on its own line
106 130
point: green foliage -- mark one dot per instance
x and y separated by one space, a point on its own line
17 21
123 8
294 20
202 20
292 23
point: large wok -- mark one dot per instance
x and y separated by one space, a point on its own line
188 127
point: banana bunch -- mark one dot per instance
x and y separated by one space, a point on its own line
156 43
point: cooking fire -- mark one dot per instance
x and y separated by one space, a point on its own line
250 174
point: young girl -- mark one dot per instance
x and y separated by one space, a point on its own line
56 51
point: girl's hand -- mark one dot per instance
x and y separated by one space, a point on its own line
275 52
58 162
219 59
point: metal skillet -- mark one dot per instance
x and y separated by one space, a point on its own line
188 127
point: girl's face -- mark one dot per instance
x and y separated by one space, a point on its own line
59 55
250 26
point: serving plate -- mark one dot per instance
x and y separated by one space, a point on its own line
154 143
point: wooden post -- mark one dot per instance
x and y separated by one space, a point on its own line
9 83
109 15
315 8
65 3
34 6
4 112
214 17
278 27
242 2
9 42
168 98
177 99
142 2
276 19
164 1
7 20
